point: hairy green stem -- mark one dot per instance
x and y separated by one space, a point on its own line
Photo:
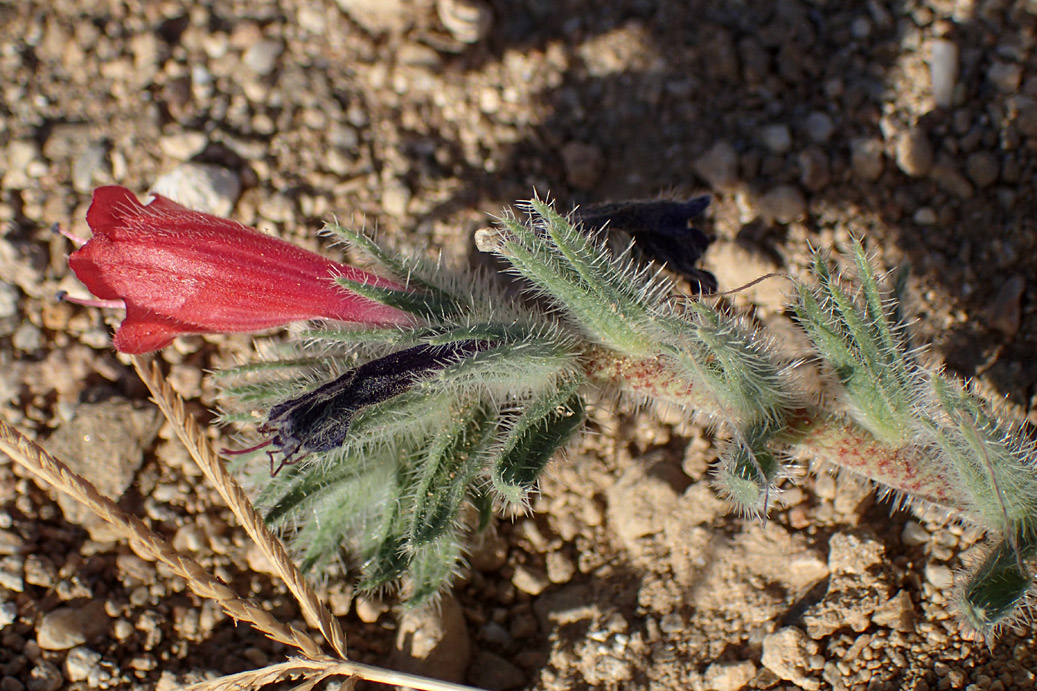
811 433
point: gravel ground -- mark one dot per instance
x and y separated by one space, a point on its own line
912 124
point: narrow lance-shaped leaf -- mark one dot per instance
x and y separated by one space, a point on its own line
545 425
452 460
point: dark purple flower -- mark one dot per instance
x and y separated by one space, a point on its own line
318 420
662 230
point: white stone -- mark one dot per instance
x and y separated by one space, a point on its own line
201 186
943 70
939 576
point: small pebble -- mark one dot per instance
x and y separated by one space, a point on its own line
201 186
11 573
939 576
1025 115
468 21
20 156
530 580
852 553
914 153
9 299
729 676
40 571
90 167
66 140
926 216
395 199
982 168
584 164
44 677
1005 311
261 57
719 166
79 663
369 609
866 158
815 171
378 16
1005 76
785 653
860 28
8 614
914 534
819 127
672 623
494 633
67 627
278 208
182 145
560 568
947 175
783 204
897 613
943 70
777 138
27 338
433 641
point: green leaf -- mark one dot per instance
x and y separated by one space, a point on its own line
453 457
545 425
998 588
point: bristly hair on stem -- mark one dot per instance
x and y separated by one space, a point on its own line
415 432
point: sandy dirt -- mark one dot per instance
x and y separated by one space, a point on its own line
910 124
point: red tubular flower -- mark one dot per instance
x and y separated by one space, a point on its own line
180 271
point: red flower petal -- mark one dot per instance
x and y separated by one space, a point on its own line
181 271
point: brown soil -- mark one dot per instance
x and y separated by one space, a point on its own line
808 121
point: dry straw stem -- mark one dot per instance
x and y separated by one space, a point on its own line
315 671
172 406
36 460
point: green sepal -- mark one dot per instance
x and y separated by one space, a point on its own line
447 468
431 305
615 318
390 558
482 500
999 586
749 469
544 426
432 565
403 267
864 349
726 357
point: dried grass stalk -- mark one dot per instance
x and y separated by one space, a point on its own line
315 671
36 460
172 406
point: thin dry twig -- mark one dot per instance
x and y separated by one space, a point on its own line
36 460
187 429
317 670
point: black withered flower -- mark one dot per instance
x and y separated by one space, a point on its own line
662 230
318 420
